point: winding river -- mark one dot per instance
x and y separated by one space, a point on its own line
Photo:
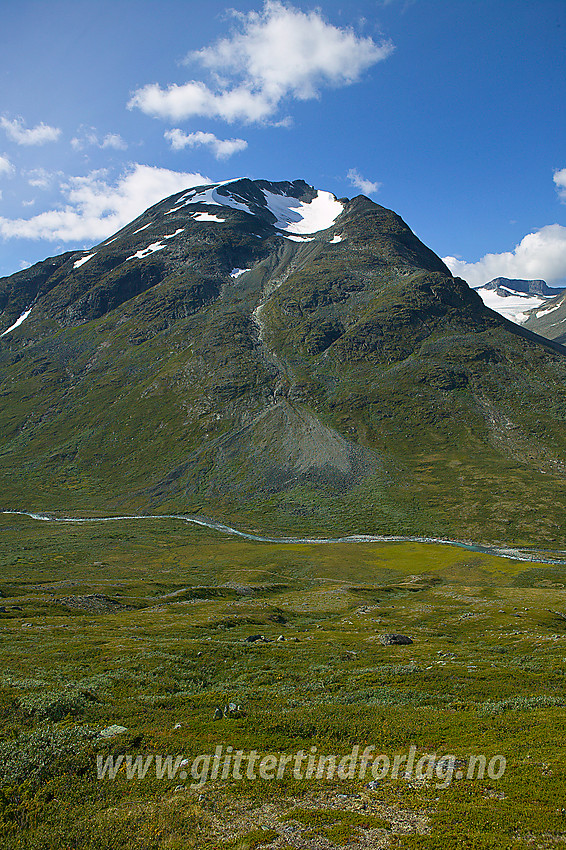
555 556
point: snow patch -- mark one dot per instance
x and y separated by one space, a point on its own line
238 272
544 312
78 263
304 217
171 235
139 230
204 216
336 239
212 198
297 238
145 252
18 322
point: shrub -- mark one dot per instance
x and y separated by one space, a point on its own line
56 705
35 756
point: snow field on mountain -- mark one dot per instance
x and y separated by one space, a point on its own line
78 263
513 306
18 322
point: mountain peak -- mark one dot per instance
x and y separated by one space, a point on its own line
294 207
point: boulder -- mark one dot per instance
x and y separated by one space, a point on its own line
111 731
395 640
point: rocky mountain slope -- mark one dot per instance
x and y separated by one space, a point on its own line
267 354
549 320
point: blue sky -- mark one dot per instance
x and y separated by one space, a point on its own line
451 113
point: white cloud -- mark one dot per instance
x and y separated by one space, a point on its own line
541 254
560 180
221 148
38 135
292 51
40 178
6 166
179 102
78 143
365 186
96 208
88 136
114 140
276 53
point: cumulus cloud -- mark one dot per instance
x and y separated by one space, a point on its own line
366 186
273 54
89 137
6 166
195 98
541 254
38 135
95 208
560 181
221 148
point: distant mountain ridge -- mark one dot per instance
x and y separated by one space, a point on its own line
517 300
530 287
266 353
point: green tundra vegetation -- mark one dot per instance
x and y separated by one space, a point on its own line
142 624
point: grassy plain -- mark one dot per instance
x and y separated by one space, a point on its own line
143 624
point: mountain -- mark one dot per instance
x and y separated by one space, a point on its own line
549 320
268 354
514 299
528 287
